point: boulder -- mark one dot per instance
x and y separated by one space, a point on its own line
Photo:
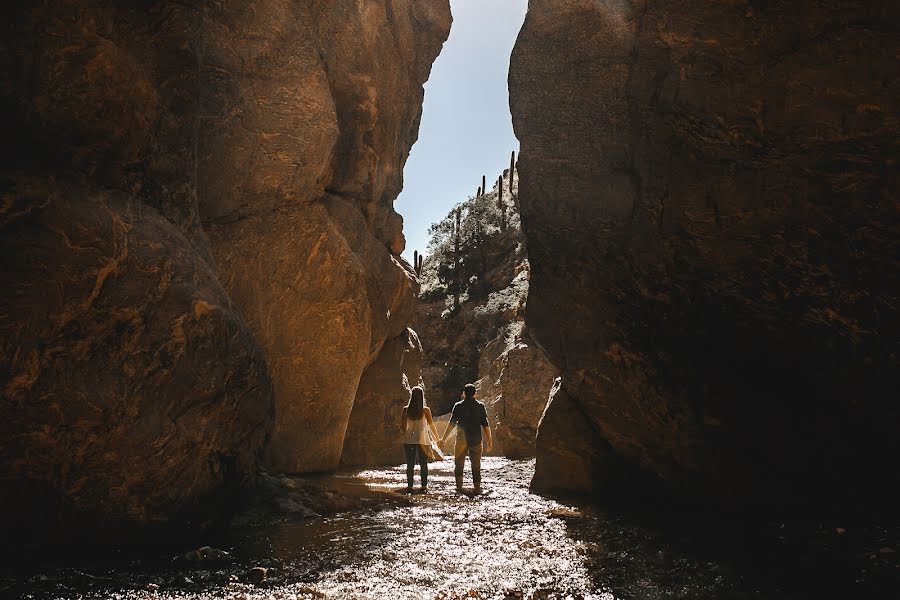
572 456
707 191
516 378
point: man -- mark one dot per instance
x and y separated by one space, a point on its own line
471 417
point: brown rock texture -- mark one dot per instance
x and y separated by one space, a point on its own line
373 435
708 192
572 456
132 390
197 226
484 340
303 227
515 382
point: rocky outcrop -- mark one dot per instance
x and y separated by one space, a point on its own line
497 276
197 219
708 193
373 436
132 389
516 378
309 248
572 453
483 339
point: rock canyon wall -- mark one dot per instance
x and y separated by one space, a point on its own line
709 196
200 254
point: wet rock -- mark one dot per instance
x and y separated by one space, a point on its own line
255 576
207 556
288 483
702 190
515 381
301 497
292 507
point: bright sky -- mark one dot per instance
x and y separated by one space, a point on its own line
466 129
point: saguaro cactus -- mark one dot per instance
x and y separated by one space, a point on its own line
500 204
478 193
456 244
418 261
483 185
512 174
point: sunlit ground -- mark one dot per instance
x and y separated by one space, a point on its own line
502 543
505 542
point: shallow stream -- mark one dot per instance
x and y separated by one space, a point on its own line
503 543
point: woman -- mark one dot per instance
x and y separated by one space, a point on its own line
415 424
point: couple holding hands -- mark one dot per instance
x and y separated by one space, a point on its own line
418 430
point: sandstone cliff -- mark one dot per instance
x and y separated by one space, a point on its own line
200 251
709 198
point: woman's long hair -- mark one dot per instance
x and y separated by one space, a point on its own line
415 408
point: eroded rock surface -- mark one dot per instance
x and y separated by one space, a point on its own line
515 383
373 435
198 231
573 455
132 389
708 193
312 259
483 340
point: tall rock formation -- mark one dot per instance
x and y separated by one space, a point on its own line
200 250
709 196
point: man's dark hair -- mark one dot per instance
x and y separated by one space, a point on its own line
470 390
